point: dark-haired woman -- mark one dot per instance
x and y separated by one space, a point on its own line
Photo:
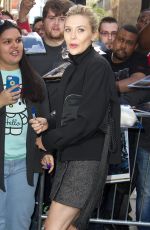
22 93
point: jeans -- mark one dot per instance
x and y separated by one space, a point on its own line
143 187
17 203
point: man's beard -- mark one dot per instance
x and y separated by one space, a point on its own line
58 37
119 57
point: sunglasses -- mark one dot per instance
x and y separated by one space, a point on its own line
8 20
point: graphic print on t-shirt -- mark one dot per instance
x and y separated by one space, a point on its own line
16 124
16 118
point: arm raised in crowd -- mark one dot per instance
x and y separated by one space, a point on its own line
25 7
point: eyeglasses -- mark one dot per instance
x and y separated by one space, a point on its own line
106 33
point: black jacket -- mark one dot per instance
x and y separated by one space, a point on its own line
88 78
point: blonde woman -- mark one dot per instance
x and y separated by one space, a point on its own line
86 90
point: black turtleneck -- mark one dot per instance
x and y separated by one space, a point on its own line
78 57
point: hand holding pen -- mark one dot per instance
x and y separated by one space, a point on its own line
39 124
48 160
33 111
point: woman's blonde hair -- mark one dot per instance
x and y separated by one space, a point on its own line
84 11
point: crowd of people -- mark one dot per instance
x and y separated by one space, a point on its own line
70 125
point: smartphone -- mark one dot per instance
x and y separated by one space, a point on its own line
11 81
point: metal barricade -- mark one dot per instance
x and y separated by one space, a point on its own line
111 220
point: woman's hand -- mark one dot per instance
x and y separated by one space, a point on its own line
39 124
7 97
48 162
39 143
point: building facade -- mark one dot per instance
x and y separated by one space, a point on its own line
125 11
